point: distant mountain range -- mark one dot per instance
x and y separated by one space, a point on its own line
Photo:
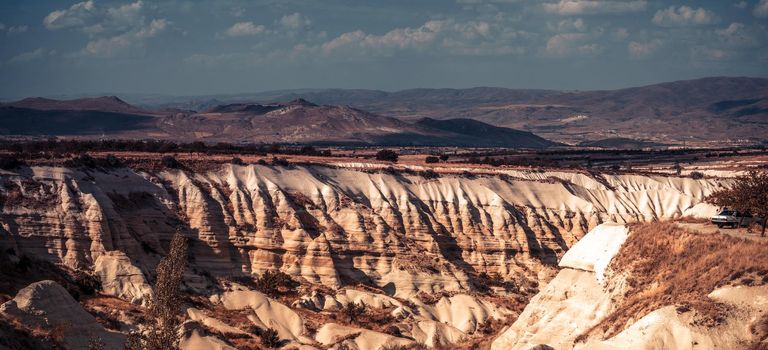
298 121
720 110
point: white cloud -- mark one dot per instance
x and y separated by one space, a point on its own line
684 16
476 37
2 26
640 50
399 38
741 5
93 19
112 30
108 47
582 7
30 56
124 43
736 35
761 9
126 15
571 44
155 27
295 21
245 29
75 16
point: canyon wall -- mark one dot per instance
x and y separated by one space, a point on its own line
402 233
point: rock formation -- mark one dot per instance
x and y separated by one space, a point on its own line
569 313
403 233
409 238
46 305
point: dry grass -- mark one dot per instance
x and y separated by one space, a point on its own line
668 265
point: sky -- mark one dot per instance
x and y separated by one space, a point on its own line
176 47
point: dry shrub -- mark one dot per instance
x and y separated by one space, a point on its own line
760 330
275 283
668 265
353 311
269 338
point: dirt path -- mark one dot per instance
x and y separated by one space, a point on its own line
708 228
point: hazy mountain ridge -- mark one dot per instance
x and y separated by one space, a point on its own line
298 121
721 108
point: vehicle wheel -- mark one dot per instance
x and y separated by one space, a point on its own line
719 225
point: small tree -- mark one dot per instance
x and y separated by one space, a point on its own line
748 194
163 315
431 159
387 155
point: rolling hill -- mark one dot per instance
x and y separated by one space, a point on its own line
297 121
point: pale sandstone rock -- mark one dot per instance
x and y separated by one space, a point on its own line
120 278
463 312
433 333
212 323
331 333
268 313
570 304
195 341
313 222
593 252
319 301
574 301
46 305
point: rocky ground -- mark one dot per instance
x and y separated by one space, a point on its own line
378 259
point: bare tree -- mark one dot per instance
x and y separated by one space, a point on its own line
748 194
163 315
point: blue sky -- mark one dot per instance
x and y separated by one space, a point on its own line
229 46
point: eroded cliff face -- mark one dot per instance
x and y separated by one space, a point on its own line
402 233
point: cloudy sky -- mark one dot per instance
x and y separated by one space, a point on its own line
52 47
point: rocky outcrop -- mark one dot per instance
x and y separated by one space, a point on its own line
47 307
574 301
403 233
357 338
569 313
120 278
268 313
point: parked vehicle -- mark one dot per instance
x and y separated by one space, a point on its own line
733 218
